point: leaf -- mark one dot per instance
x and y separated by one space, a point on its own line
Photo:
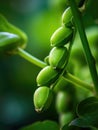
81 122
88 106
8 41
87 111
67 127
45 125
5 26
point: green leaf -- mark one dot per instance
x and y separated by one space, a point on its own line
87 111
67 127
8 41
81 122
45 125
88 106
5 26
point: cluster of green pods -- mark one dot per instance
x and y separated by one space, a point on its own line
56 62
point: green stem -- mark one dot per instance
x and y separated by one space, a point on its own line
30 58
74 80
68 77
87 51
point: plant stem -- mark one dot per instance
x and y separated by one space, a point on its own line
74 80
67 76
30 58
87 51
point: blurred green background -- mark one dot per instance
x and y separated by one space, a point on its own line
38 19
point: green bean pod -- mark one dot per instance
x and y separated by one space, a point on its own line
58 57
47 76
67 17
42 98
61 36
62 101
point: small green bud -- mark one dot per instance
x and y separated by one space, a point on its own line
62 101
42 98
67 16
58 57
47 76
61 36
46 60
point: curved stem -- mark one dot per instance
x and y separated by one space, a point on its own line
87 51
67 76
74 80
30 58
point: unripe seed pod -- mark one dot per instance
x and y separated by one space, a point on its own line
67 16
47 76
42 98
58 57
65 118
61 36
62 102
